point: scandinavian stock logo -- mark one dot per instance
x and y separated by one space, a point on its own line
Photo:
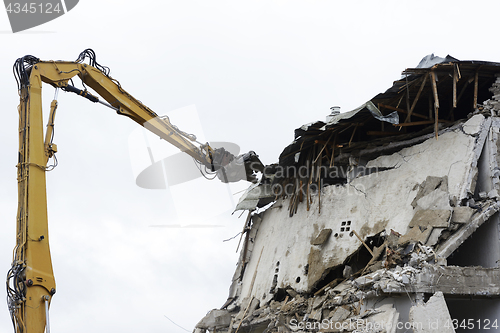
26 14
158 165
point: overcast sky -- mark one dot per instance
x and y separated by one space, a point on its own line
247 72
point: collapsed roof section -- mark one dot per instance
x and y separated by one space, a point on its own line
437 95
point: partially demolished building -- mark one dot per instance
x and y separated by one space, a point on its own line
381 219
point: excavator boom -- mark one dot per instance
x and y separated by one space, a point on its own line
30 281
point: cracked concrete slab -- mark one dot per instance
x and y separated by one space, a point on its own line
432 316
430 184
468 186
416 234
434 236
462 214
435 200
431 218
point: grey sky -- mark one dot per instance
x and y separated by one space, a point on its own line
254 71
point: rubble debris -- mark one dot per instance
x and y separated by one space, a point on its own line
368 279
214 320
453 280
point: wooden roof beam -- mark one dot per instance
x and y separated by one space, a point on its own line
401 110
476 85
436 102
416 99
423 122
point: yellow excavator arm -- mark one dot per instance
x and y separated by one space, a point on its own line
30 281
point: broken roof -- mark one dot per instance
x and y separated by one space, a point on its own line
435 93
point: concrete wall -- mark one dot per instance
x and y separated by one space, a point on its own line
371 204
